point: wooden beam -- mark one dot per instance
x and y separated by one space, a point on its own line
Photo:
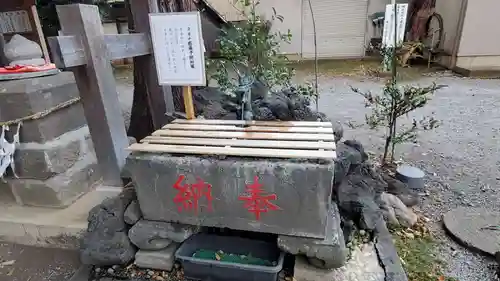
97 87
39 32
68 50
159 103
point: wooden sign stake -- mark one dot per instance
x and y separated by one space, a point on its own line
188 101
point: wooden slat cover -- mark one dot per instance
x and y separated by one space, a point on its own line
305 140
241 143
244 135
235 128
255 123
233 151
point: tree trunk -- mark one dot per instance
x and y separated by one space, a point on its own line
141 121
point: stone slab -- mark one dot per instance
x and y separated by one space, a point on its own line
27 75
299 193
58 191
476 228
363 266
21 98
61 228
331 251
387 254
42 161
161 259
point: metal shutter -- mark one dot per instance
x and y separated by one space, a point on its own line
340 28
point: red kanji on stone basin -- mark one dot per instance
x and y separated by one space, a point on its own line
257 201
189 195
279 196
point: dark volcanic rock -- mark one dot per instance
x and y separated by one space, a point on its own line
348 157
132 213
358 197
401 190
106 242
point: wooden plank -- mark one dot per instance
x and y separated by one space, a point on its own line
97 87
244 135
154 91
241 143
39 32
257 123
194 127
188 102
231 151
68 50
121 46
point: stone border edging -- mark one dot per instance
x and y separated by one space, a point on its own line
387 254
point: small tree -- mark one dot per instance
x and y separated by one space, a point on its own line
394 103
250 48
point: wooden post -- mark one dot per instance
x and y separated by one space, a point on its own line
97 87
160 103
39 32
188 102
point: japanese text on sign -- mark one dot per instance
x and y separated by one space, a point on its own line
178 48
390 20
14 22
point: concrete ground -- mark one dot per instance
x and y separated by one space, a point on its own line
28 263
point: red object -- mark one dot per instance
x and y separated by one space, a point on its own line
189 195
257 202
26 68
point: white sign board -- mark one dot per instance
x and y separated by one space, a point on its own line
178 48
388 35
15 22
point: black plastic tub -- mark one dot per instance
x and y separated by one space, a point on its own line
213 270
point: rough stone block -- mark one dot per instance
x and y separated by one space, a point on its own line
58 191
363 266
331 251
244 194
154 235
42 161
132 213
162 259
24 97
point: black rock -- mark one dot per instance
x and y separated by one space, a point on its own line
396 187
348 158
263 114
279 103
358 198
358 146
105 242
132 213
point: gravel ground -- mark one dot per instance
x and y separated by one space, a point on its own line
461 157
25 263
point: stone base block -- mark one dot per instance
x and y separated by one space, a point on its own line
161 259
42 161
363 266
24 97
330 252
154 235
242 194
58 191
